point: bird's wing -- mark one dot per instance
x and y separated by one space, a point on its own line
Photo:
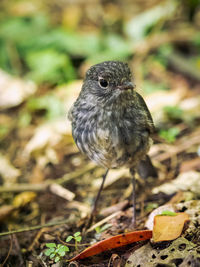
148 118
69 114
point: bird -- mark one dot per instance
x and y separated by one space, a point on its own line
111 123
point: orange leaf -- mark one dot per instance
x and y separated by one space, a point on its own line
168 227
114 242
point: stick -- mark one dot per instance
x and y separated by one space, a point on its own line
34 227
44 186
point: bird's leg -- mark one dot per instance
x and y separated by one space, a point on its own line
132 171
94 208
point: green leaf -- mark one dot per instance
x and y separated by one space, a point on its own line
168 213
4 130
24 119
173 112
66 248
50 245
69 238
103 228
61 253
97 229
18 29
150 206
49 65
78 238
170 134
150 87
63 248
47 252
52 255
57 258
138 26
77 234
50 103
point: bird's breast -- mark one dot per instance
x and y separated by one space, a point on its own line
109 137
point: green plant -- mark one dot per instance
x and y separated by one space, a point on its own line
151 206
99 229
77 238
168 213
56 251
170 134
174 112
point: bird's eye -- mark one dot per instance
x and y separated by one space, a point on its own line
103 83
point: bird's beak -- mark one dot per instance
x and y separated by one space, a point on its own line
126 86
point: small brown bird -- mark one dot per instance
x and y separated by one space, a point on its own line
111 123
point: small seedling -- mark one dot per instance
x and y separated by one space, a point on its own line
56 251
77 238
99 229
151 206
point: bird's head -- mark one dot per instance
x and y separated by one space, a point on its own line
108 79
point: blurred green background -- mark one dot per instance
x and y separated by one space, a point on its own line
49 41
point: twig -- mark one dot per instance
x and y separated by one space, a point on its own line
18 250
183 65
34 227
181 145
10 248
44 186
61 192
72 245
39 233
156 40
103 221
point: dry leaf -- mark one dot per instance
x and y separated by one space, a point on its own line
8 172
114 242
23 198
14 91
168 227
187 181
5 211
48 134
113 176
150 222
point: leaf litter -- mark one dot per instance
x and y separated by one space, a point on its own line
44 179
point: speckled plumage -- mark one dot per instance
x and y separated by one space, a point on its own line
111 125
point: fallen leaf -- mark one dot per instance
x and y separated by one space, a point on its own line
150 222
187 181
168 227
8 172
113 176
14 91
189 165
48 134
5 211
114 242
23 199
160 99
